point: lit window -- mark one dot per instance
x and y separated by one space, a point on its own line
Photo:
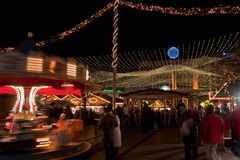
34 64
71 69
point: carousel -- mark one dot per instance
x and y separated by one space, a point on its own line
26 74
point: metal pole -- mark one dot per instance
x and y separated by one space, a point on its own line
115 50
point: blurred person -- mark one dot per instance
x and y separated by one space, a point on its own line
226 116
211 133
235 126
62 123
146 118
189 134
117 137
68 112
54 112
59 135
108 123
181 108
119 111
8 123
126 116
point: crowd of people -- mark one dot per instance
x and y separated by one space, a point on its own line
208 127
198 126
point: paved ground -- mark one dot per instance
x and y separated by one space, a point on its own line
164 144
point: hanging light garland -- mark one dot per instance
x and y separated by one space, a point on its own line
78 26
70 31
205 52
183 11
141 7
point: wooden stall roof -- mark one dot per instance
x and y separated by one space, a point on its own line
108 98
155 94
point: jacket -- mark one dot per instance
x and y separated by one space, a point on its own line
211 129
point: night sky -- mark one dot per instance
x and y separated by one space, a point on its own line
138 30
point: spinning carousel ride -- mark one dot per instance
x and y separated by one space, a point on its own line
27 72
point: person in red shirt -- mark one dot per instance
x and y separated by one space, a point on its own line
235 125
211 133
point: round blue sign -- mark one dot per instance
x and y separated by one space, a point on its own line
173 52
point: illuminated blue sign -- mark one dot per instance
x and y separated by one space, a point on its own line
173 52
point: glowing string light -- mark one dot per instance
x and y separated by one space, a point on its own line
32 96
14 109
70 31
115 49
20 98
182 11
141 7
78 26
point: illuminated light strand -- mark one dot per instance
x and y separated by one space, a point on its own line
20 97
128 58
192 54
32 96
78 26
158 63
196 53
124 60
159 71
142 61
183 11
115 49
14 109
201 59
223 49
161 57
70 31
133 60
236 43
142 7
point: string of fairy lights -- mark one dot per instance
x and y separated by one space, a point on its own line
210 49
182 11
233 10
152 68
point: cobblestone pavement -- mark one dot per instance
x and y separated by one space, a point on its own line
163 144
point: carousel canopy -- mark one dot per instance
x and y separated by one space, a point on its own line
7 90
60 92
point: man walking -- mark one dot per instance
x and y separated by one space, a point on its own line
211 133
107 124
